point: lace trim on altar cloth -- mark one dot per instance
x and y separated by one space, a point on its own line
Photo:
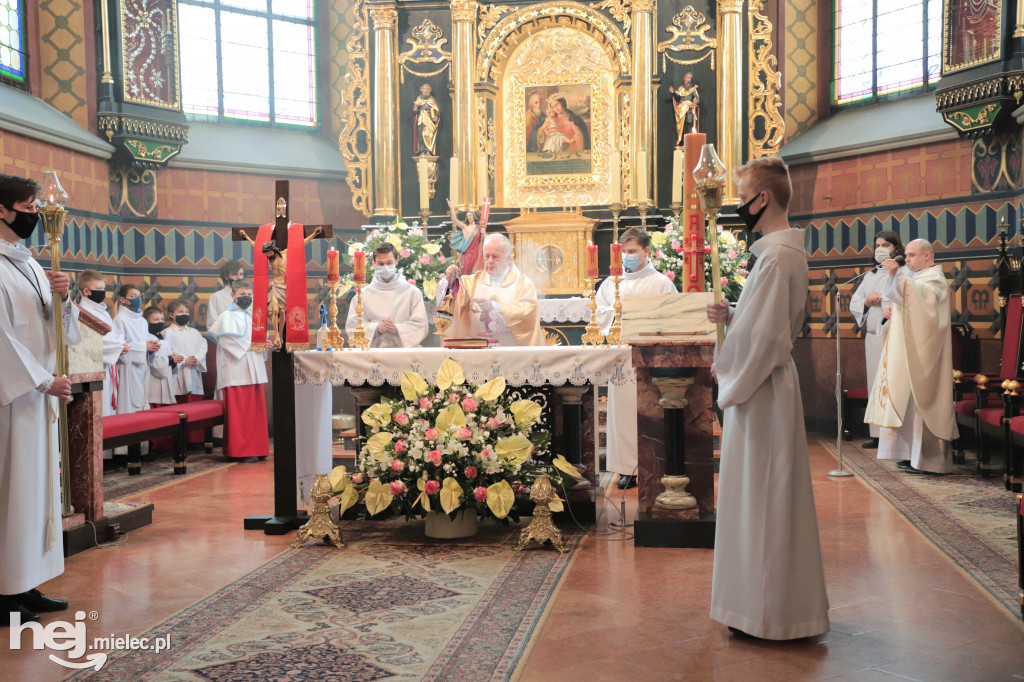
563 310
556 366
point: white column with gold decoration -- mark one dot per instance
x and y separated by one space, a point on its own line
463 53
385 110
731 126
642 98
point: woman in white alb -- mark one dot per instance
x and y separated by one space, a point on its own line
868 309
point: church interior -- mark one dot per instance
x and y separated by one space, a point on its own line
177 142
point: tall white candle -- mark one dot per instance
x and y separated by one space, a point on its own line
453 177
422 175
641 178
677 176
615 163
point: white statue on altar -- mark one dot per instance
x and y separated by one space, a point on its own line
498 302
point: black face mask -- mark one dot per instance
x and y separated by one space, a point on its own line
156 327
24 224
243 302
98 295
181 320
750 219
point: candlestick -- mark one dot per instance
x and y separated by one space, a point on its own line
335 340
676 207
593 336
422 174
615 268
693 221
677 176
642 208
591 270
616 209
359 266
453 180
332 265
358 338
615 163
615 333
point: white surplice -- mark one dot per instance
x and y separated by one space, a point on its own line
871 319
400 301
161 373
187 341
768 578
29 457
133 366
236 365
220 301
113 344
622 435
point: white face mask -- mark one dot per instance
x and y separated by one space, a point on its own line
387 271
882 254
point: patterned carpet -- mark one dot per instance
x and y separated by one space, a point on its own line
970 518
392 605
156 472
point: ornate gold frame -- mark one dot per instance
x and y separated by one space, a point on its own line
947 66
171 8
426 46
765 80
689 34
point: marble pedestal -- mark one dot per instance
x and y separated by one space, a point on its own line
656 527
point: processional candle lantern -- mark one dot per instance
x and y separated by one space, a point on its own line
710 178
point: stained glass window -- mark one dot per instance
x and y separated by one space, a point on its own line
884 48
249 60
13 61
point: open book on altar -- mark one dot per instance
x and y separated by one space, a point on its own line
646 317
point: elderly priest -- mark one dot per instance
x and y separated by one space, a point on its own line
911 398
498 302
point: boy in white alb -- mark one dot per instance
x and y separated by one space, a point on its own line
162 365
240 378
133 366
393 312
190 355
92 286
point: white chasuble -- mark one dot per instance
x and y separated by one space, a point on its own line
622 435
113 344
29 457
912 396
768 578
512 318
397 300
875 327
133 366
188 342
236 365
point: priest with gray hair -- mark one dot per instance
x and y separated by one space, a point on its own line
498 302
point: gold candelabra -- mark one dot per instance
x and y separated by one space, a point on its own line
53 215
335 339
593 336
677 207
616 209
615 333
710 177
358 339
642 208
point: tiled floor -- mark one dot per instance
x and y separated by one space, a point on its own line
900 608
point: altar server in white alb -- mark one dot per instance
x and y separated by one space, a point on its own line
31 551
640 277
190 355
92 285
162 363
768 579
133 366
912 397
241 374
220 300
867 306
393 311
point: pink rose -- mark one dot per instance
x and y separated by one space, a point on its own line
659 254
463 434
405 253
397 488
670 274
435 457
357 478
425 259
401 419
412 282
732 255
679 250
431 487
453 397
707 248
426 403
431 434
480 494
485 453
396 465
743 263
471 471
493 423
675 245
469 405
725 280
443 259
743 271
400 446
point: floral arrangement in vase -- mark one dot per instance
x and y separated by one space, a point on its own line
419 258
451 446
668 254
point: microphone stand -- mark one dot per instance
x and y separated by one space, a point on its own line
841 472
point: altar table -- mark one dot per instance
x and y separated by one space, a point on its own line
559 366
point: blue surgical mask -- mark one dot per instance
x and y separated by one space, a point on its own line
387 271
135 303
631 261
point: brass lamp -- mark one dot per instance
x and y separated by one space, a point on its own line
710 177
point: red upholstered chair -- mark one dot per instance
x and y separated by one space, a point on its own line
199 416
138 427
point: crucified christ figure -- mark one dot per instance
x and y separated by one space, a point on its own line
277 303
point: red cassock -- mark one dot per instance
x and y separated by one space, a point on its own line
245 421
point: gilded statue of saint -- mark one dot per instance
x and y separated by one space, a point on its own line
686 104
426 119
278 302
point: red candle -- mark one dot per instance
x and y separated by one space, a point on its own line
615 270
592 260
332 265
359 266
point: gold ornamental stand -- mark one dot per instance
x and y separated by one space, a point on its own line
320 524
615 333
359 339
593 336
335 339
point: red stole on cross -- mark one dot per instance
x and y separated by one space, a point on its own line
296 324
260 288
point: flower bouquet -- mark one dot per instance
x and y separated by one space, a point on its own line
452 447
419 259
668 253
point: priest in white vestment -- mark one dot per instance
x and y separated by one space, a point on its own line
866 306
92 285
393 311
640 277
912 396
133 366
31 551
768 579
498 302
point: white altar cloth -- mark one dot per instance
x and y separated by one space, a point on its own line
316 372
554 310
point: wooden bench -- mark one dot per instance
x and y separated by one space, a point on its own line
175 421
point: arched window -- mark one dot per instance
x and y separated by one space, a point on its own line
13 58
249 60
884 48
